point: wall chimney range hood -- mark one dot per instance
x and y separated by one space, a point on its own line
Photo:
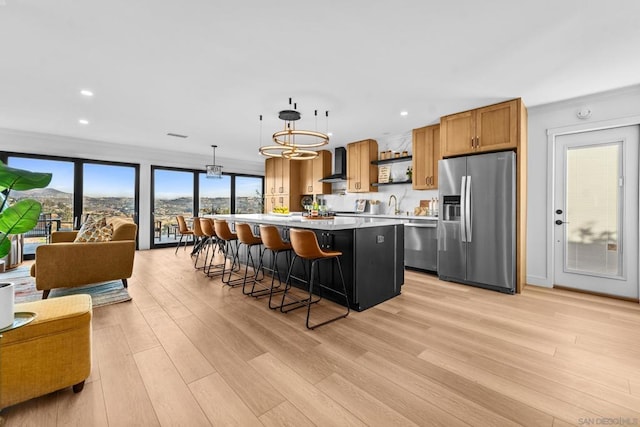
340 166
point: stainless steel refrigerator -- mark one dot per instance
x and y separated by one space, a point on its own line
477 222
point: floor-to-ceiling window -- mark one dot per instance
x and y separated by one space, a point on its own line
173 195
190 193
115 196
249 194
215 194
78 187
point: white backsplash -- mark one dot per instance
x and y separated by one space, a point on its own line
408 198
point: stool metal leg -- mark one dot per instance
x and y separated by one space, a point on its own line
235 265
298 303
275 270
256 271
217 268
344 289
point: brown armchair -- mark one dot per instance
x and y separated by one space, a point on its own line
64 264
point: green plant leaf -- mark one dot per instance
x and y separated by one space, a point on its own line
20 217
20 179
5 246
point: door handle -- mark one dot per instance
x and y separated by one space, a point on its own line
463 199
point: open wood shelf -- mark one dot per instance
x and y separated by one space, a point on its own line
380 184
398 159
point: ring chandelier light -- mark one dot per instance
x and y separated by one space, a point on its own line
292 143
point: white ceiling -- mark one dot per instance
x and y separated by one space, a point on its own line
209 68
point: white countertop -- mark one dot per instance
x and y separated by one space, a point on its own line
403 218
336 223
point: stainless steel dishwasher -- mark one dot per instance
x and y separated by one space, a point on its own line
421 244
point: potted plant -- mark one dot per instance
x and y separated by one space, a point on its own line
16 219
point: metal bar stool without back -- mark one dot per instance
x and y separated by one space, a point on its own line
230 240
305 246
246 237
273 242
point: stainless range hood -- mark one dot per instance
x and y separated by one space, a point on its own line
340 166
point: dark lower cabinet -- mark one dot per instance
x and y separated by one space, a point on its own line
372 264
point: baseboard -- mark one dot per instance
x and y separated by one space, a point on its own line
539 281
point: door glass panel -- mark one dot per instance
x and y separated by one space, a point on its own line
594 219
109 190
248 195
56 199
215 195
173 195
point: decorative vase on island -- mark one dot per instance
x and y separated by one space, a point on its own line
7 299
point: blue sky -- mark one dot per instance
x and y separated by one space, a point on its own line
99 180
118 181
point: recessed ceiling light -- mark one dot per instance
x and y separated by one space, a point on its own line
404 113
86 92
83 121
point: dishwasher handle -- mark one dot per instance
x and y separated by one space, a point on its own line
418 225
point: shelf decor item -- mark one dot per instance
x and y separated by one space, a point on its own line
384 173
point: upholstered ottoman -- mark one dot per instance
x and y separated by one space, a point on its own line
48 354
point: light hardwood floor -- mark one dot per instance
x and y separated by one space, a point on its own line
189 351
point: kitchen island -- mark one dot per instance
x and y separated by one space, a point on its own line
372 253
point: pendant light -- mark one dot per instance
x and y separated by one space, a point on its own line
295 143
213 170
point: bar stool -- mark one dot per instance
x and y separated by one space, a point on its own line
211 242
184 231
230 248
246 237
273 242
305 246
199 241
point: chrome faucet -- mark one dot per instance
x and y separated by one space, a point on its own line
395 204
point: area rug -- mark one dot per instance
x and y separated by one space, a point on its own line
101 293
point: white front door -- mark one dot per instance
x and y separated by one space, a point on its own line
596 211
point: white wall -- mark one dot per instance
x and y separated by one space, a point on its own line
35 143
606 107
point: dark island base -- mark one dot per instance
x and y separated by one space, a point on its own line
372 264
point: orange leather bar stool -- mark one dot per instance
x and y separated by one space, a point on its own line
184 231
230 240
305 246
199 241
211 242
246 237
273 242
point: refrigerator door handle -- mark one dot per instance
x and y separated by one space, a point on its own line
467 214
463 209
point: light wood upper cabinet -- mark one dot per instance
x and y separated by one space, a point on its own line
361 174
490 128
281 183
270 176
426 153
278 175
312 171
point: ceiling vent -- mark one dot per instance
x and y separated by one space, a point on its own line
177 135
